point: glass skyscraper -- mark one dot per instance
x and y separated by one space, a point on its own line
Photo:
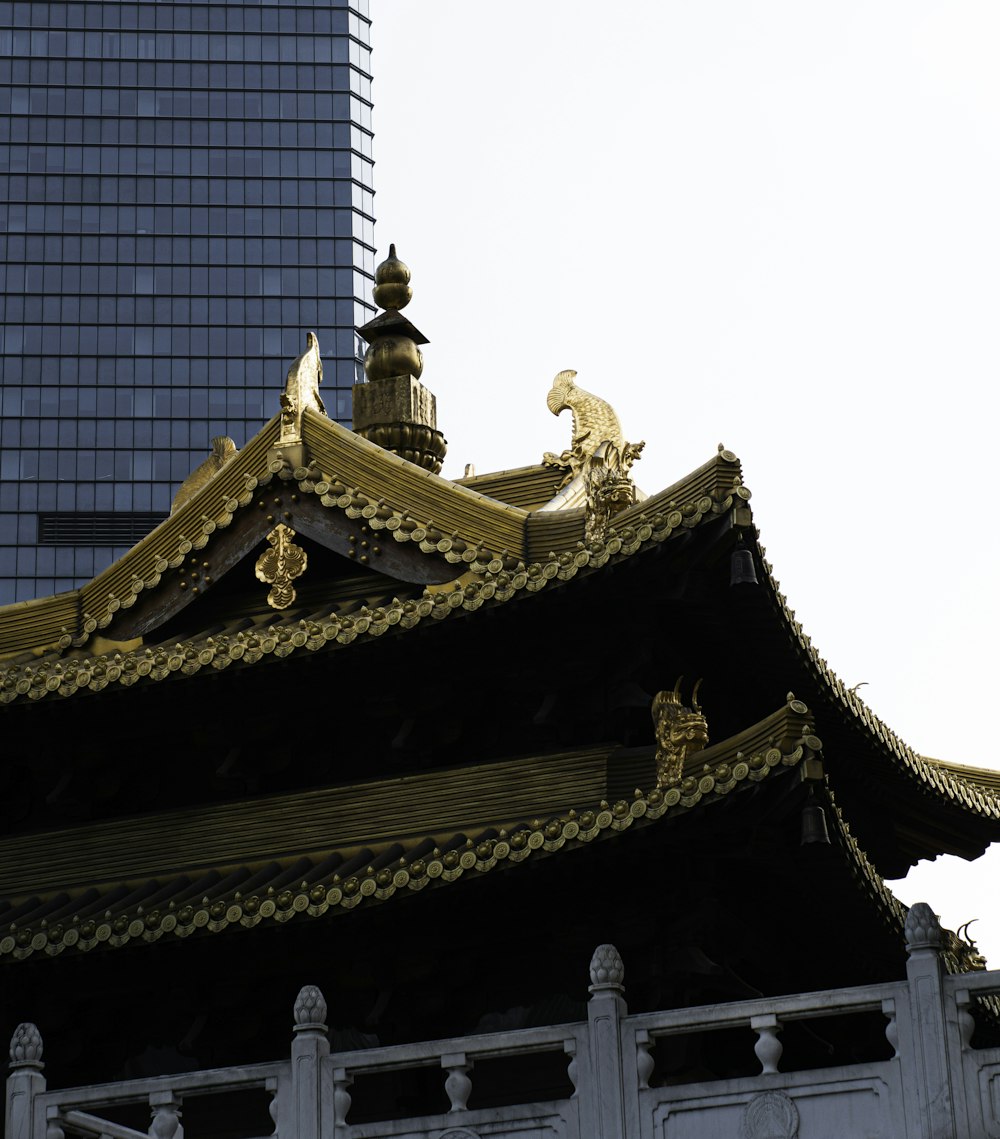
185 190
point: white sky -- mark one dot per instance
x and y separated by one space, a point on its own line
773 225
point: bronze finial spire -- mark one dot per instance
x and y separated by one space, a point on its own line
392 283
394 409
392 340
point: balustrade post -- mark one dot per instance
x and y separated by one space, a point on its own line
53 1128
24 1084
966 1021
603 1106
768 1047
165 1116
271 1087
311 1109
932 1074
644 1062
458 1085
572 1067
891 1025
342 1080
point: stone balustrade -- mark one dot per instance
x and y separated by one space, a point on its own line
928 1083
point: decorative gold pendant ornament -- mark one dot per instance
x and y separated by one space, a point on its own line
280 565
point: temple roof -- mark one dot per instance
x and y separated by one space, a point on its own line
175 875
479 547
240 864
527 487
555 582
435 549
477 571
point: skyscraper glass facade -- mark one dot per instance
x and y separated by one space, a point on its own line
185 190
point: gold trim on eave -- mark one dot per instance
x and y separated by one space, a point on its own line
413 873
494 581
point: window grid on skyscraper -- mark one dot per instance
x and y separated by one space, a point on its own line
185 190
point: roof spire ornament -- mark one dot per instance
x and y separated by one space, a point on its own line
223 449
598 460
393 408
392 284
301 391
595 422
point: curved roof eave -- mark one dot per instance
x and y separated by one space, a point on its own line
351 474
216 899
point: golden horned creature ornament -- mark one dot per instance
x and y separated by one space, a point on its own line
681 732
608 488
301 390
280 565
223 449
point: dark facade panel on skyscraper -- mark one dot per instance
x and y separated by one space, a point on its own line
185 189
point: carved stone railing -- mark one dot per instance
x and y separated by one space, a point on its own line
34 1113
979 1078
935 1086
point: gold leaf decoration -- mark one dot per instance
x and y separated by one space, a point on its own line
280 565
